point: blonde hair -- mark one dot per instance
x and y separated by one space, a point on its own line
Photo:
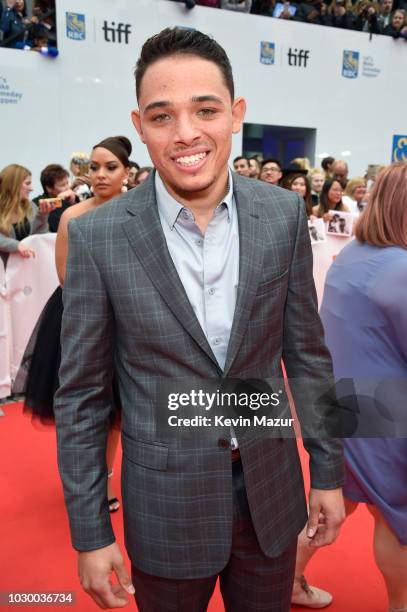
82 160
11 179
354 182
384 220
302 162
315 171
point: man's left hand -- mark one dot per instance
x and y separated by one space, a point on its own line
326 515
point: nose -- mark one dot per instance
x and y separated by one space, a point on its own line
101 172
186 130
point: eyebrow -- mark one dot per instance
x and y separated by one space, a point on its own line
194 99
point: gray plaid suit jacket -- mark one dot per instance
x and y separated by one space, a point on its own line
125 309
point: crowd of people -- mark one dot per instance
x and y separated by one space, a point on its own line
21 217
29 25
386 17
37 32
324 189
150 295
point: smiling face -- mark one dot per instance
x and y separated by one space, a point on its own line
254 168
107 173
241 166
335 193
186 118
26 188
299 186
398 20
271 173
359 192
317 182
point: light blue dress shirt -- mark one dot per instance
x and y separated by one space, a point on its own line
207 264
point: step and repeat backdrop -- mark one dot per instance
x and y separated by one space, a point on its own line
349 88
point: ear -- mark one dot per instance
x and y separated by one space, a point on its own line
238 113
136 119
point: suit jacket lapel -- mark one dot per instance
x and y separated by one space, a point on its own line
251 246
146 237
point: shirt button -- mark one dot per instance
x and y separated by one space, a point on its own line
185 214
211 291
217 341
199 242
223 443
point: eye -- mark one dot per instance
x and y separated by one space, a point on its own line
112 167
93 167
161 117
207 112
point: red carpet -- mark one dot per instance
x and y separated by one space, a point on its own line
35 546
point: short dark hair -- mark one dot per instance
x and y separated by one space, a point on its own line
239 157
271 160
142 170
51 174
180 41
133 164
327 161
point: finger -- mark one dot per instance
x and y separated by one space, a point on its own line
123 577
312 525
325 536
120 592
109 599
105 596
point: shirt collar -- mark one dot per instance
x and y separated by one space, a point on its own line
170 209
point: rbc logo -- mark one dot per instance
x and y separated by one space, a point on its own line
267 52
350 64
399 152
75 26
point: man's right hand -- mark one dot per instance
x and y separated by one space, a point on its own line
95 568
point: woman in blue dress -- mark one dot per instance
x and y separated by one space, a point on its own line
364 313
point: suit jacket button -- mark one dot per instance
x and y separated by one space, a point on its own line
223 443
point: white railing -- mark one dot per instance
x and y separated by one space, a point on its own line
25 286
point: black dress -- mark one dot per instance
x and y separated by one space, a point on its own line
37 377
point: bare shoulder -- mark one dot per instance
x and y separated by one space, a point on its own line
78 209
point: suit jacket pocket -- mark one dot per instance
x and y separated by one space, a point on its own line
153 455
265 287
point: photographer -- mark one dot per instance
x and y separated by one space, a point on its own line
366 18
55 183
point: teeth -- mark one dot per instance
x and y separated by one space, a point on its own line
190 160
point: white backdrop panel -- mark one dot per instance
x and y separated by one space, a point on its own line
87 93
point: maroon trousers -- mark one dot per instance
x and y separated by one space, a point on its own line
250 582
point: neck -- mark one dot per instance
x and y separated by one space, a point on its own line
203 202
98 201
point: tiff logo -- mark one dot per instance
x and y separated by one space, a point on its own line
298 58
115 33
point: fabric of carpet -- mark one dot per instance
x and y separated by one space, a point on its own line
36 554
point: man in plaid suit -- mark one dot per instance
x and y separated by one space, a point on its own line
196 277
